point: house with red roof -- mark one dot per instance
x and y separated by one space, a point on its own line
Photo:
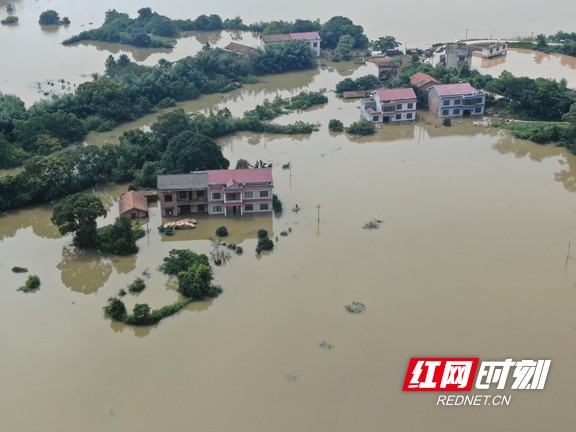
133 205
423 82
216 192
455 100
389 105
311 38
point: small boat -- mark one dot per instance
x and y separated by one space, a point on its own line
296 208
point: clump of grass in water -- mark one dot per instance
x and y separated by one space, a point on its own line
373 224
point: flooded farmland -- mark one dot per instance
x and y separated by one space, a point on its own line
470 260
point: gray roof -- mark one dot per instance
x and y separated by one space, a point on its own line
195 180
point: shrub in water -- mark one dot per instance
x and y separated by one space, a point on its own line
262 233
221 231
137 286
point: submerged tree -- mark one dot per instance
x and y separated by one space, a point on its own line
77 213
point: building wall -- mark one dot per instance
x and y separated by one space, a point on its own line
173 203
455 106
135 214
251 199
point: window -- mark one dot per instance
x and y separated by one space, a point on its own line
468 102
457 101
249 207
201 208
478 110
445 112
248 195
167 197
216 196
217 209
479 101
169 211
375 118
263 194
399 106
409 115
182 195
445 102
315 44
456 112
264 206
398 116
232 196
461 59
410 106
387 109
200 194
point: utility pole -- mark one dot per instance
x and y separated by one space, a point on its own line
466 33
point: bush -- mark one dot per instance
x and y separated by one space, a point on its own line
262 233
31 284
447 122
137 286
167 102
115 309
9 20
17 269
362 127
119 238
276 204
221 231
264 244
335 125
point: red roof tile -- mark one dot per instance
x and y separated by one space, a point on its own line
133 200
396 94
455 89
420 79
254 175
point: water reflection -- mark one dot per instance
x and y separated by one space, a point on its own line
83 271
138 54
38 218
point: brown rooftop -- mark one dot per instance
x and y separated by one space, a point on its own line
133 200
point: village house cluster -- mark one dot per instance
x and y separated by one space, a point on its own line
444 100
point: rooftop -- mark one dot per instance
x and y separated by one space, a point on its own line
395 94
276 38
240 176
455 89
305 35
420 79
133 200
195 180
238 48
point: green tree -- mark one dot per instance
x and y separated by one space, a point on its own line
189 151
362 127
77 213
541 42
242 164
118 238
115 309
384 43
179 260
335 125
49 17
195 282
338 26
344 46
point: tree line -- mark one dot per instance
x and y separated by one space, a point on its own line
150 29
128 91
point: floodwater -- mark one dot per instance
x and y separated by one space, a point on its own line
469 261
35 60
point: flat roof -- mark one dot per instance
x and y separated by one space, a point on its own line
455 89
194 180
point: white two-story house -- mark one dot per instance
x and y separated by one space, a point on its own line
389 105
455 100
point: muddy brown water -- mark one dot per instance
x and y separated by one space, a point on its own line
470 260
